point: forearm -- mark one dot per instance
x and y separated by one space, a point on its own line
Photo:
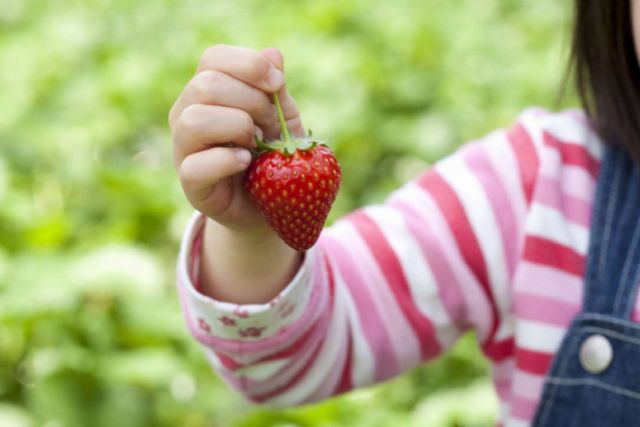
245 268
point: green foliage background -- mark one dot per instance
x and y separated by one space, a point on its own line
91 212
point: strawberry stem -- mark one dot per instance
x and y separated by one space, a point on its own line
283 124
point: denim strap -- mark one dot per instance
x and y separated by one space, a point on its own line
613 262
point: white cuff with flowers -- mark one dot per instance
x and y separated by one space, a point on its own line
211 320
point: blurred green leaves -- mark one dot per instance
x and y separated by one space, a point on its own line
91 212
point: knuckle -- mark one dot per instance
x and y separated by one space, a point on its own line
205 82
190 118
210 54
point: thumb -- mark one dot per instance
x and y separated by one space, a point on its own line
289 107
274 56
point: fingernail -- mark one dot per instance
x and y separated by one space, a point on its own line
243 156
275 78
259 132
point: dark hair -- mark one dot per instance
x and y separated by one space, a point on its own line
606 70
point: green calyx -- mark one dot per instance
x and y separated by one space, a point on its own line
287 145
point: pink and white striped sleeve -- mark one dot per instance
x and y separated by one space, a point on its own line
385 288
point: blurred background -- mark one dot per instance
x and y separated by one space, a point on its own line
91 212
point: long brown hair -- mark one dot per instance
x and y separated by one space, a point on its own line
606 70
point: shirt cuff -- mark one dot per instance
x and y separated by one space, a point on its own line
220 324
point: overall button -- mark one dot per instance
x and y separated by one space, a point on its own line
596 354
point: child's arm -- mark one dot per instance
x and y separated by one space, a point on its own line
385 288
227 101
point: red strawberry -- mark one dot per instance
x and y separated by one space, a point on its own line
293 183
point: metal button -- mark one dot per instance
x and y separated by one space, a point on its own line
596 354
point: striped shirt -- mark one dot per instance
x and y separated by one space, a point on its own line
494 237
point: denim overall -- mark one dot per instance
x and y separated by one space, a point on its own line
594 379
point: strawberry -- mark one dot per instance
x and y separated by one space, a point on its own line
294 182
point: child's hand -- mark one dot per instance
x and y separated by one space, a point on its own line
214 121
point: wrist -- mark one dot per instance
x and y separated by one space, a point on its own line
246 237
249 266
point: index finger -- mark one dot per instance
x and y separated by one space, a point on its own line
244 64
